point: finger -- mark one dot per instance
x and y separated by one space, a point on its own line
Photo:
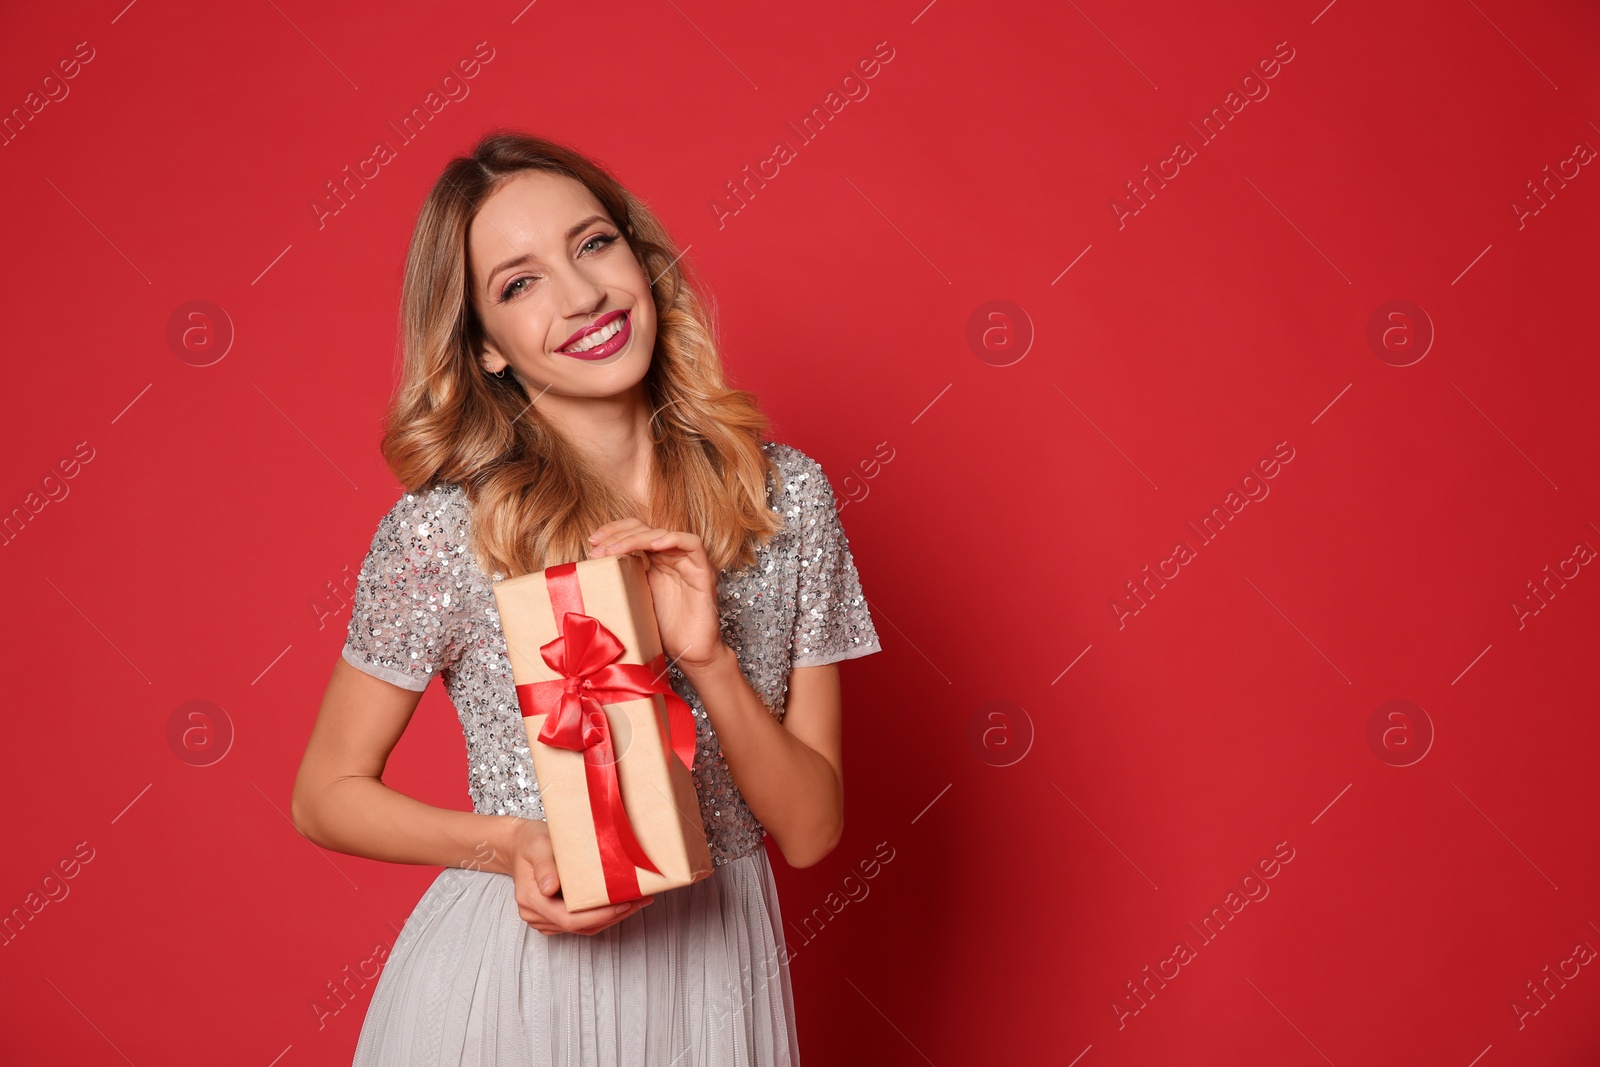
541 863
538 912
606 914
533 904
630 540
613 527
610 550
573 921
621 917
586 924
679 539
588 920
590 931
555 911
615 543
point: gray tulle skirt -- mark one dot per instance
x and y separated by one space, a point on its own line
697 978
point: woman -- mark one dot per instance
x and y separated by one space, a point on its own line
562 398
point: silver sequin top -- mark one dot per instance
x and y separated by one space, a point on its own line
423 606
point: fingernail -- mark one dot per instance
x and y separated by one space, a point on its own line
622 908
548 885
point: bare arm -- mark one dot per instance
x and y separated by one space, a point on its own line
791 774
341 803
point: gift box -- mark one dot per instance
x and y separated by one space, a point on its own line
612 744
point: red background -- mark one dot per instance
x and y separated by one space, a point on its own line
200 553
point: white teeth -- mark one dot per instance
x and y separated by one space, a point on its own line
599 337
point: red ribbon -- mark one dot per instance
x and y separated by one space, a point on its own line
582 654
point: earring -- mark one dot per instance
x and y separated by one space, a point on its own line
501 373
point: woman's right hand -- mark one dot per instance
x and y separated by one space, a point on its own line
538 887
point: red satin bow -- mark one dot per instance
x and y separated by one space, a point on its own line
583 655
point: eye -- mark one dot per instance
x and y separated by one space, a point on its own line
512 290
604 239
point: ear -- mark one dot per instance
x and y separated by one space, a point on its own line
490 360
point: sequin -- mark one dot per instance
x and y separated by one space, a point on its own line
423 606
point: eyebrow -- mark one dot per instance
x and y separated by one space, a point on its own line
516 261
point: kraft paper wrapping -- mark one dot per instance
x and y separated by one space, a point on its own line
657 790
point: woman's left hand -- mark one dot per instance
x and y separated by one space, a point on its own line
682 583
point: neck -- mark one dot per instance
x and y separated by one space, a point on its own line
613 433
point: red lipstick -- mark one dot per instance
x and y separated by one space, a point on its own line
610 346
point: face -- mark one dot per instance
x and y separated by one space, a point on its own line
546 265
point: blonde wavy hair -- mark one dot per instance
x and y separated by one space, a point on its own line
535 497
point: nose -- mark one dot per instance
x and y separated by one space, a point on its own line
580 295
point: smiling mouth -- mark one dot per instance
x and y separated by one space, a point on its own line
606 336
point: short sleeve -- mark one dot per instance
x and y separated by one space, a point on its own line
407 619
832 622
